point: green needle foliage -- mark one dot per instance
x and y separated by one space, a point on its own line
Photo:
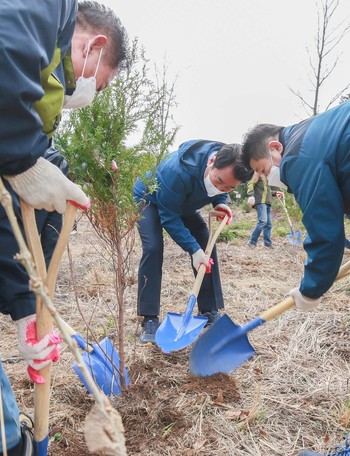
128 123
123 134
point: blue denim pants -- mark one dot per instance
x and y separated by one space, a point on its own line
11 413
264 224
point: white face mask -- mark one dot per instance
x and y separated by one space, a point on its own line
85 88
210 187
274 177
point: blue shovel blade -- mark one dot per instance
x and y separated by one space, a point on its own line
103 365
173 335
100 374
177 330
294 238
221 349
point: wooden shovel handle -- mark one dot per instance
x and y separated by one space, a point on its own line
43 317
288 303
35 247
68 223
211 242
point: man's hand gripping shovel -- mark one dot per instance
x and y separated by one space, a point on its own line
177 331
103 426
225 346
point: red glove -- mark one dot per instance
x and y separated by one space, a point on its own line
208 268
84 207
36 353
224 208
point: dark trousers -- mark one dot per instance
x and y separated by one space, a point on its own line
15 297
150 268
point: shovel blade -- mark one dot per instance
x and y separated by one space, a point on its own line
294 238
173 334
103 364
221 349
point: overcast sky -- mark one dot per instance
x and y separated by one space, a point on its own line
234 60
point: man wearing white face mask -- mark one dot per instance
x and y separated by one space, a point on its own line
311 159
46 48
85 88
197 174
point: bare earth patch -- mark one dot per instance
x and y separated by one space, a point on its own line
293 394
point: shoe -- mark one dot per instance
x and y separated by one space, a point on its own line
149 329
269 246
252 246
212 317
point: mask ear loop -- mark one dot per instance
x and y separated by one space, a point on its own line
271 159
98 62
87 54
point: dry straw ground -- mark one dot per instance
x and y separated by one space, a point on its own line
294 393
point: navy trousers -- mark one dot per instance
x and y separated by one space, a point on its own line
151 264
14 281
15 297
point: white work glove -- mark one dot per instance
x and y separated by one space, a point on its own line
251 201
302 302
224 208
44 186
199 258
37 354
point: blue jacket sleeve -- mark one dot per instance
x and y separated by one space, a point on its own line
29 32
172 189
316 191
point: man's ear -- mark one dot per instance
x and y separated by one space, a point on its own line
211 160
276 145
96 43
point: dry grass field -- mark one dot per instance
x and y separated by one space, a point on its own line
293 394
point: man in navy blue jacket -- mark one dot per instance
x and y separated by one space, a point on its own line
311 159
197 174
53 54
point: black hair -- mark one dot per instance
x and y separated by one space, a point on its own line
255 142
102 20
230 155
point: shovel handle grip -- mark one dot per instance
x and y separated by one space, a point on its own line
216 213
213 236
211 242
288 303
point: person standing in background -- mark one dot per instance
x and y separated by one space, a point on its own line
260 198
